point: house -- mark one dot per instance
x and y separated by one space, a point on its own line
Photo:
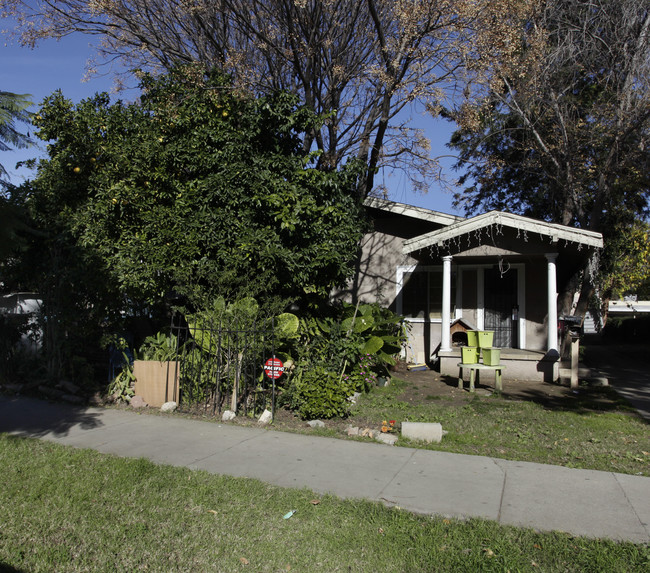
629 307
496 271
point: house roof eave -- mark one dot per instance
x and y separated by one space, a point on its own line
411 211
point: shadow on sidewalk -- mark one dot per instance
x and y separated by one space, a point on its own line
38 418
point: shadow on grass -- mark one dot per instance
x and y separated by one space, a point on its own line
4 568
584 400
37 418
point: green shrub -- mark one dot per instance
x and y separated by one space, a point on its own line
122 385
316 392
337 351
161 347
343 334
362 377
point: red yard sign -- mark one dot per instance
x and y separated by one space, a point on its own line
274 368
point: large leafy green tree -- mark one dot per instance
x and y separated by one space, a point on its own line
631 270
197 189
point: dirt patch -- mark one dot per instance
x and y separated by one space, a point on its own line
429 385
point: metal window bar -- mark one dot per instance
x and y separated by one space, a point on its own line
220 365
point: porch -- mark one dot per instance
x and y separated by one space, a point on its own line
519 365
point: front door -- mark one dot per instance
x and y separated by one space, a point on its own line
500 302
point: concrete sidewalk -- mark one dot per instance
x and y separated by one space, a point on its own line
544 497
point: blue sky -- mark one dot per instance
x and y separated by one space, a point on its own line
62 65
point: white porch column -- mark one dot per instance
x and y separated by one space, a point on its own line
445 339
552 301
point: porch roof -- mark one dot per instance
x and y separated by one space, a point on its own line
501 219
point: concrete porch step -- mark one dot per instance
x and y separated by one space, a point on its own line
584 373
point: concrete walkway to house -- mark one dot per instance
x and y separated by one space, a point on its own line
544 497
627 367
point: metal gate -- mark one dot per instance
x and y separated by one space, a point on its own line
500 298
220 365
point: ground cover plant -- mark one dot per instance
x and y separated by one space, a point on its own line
71 510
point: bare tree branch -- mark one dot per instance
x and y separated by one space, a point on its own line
357 61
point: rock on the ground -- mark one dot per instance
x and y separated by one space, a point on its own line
138 402
367 433
266 417
386 438
228 415
354 398
316 423
168 407
352 430
13 387
427 432
51 392
69 387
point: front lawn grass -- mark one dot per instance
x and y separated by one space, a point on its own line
70 510
612 439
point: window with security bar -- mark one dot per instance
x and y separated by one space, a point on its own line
421 293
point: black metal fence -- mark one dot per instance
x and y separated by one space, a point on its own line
220 365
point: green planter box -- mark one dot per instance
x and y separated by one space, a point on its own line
485 338
469 354
491 356
472 338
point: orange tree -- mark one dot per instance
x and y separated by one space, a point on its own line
197 190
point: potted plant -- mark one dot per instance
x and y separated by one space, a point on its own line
156 370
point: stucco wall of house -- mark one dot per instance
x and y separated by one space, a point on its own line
376 278
375 273
468 296
424 339
536 304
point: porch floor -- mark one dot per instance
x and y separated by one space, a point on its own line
506 353
521 364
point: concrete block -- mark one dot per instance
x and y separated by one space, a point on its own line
425 431
385 438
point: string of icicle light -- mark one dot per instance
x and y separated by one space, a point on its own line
475 237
